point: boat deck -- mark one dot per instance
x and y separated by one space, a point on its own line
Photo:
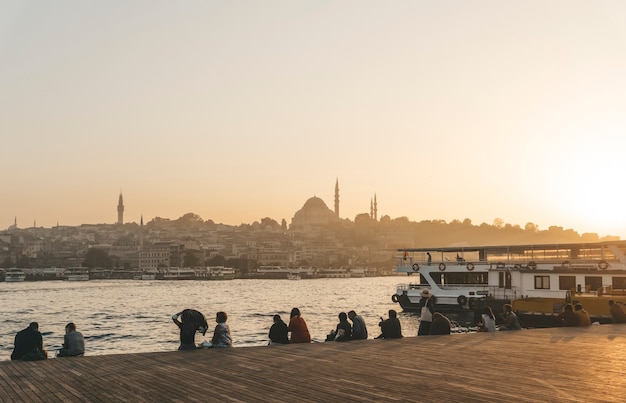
558 364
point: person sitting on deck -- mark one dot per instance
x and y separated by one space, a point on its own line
440 325
192 321
511 322
618 315
582 315
359 330
567 318
221 334
278 332
390 328
73 342
488 320
343 332
28 344
298 328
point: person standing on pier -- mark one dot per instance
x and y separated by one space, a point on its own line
426 315
359 330
73 342
298 328
278 332
28 344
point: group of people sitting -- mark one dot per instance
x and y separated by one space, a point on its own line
346 331
28 344
578 316
190 321
573 316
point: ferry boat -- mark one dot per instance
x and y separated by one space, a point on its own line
147 274
538 280
77 274
178 273
14 275
215 273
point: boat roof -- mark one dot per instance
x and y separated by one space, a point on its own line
519 248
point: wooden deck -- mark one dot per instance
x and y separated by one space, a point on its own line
541 365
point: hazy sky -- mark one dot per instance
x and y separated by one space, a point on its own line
240 110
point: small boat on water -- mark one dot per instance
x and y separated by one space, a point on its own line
294 276
14 275
538 280
77 274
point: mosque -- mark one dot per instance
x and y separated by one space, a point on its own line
315 213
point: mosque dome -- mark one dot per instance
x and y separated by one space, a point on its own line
313 213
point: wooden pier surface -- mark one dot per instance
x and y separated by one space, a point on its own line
539 365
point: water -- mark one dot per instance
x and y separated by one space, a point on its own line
125 316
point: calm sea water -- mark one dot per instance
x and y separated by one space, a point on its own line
124 316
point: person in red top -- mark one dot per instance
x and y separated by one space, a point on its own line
297 327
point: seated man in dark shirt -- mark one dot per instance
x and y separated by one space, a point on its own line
28 344
390 328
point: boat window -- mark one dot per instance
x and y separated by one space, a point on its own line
619 283
542 282
452 278
567 282
592 283
504 280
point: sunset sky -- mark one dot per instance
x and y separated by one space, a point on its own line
240 110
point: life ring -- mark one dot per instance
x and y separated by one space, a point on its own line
442 266
603 265
565 264
500 265
470 266
532 265
461 300
416 267
394 297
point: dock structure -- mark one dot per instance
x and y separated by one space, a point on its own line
538 365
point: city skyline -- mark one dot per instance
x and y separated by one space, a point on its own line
477 110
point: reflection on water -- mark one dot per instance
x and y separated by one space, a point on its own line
134 316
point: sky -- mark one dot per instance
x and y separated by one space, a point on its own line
242 110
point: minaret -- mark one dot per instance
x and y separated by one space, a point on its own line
120 210
141 234
371 208
375 208
337 198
